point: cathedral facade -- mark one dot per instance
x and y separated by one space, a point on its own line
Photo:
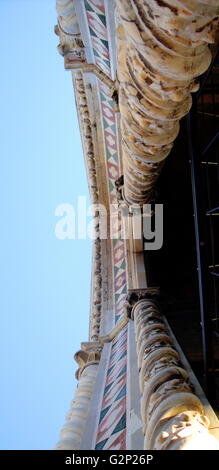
135 66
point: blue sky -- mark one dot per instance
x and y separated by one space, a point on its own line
45 282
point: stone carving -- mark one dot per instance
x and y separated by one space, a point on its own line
161 48
89 354
119 184
86 127
186 430
134 295
173 416
114 95
67 17
67 29
72 431
72 48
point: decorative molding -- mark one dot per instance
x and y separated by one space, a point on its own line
112 423
87 135
72 49
111 432
173 416
117 329
97 24
97 288
86 128
161 49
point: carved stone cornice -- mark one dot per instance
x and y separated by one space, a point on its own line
87 136
97 289
161 48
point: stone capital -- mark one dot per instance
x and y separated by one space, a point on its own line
135 295
88 355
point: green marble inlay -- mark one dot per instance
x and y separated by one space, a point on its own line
120 425
92 32
123 371
104 412
121 393
102 18
101 444
87 6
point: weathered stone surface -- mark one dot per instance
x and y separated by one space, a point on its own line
72 431
173 416
67 29
162 47
86 127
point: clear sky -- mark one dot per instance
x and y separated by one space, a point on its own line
45 282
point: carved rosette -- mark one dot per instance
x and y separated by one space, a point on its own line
161 48
173 416
72 432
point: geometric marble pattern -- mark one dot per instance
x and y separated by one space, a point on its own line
96 18
112 429
112 424
111 433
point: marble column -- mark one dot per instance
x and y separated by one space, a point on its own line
71 434
173 416
162 47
